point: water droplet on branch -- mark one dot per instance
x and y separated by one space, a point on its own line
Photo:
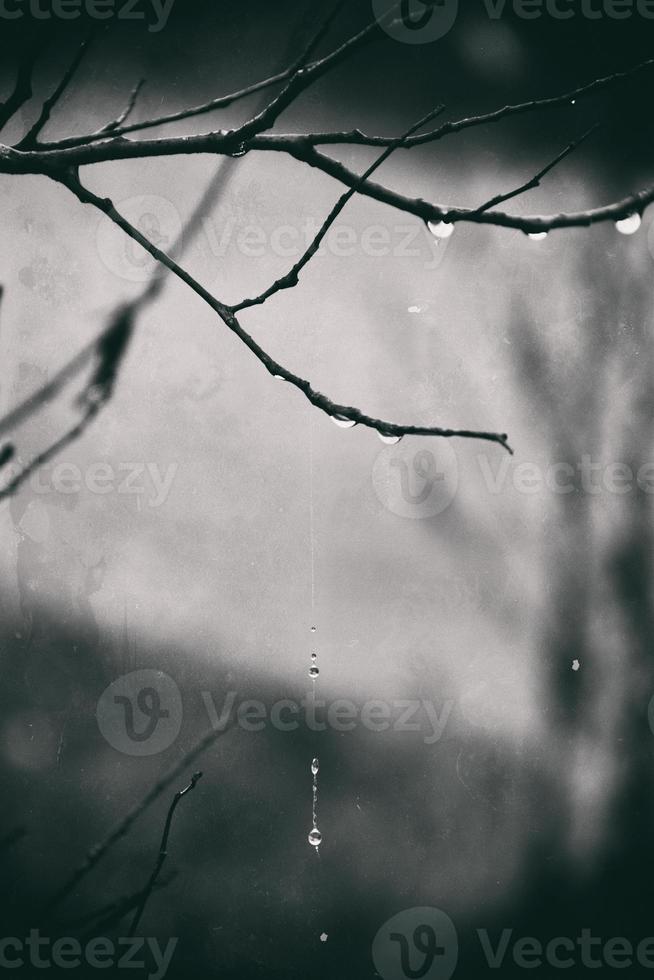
440 229
389 440
341 421
537 236
629 225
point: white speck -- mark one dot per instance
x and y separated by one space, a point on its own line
576 665
537 236
324 937
414 309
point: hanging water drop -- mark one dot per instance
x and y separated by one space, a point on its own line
315 766
440 229
313 629
537 236
389 440
341 421
629 225
314 656
314 672
573 101
315 838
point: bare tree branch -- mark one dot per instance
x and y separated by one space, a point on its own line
30 139
535 180
22 91
126 113
356 138
163 853
291 277
316 398
636 202
96 853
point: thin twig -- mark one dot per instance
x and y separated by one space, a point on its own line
22 91
31 137
163 852
291 277
99 851
536 179
316 398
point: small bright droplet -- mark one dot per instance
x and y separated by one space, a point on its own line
315 837
628 225
389 440
324 937
342 422
279 376
314 656
313 629
573 101
440 229
414 309
537 236
315 766
313 672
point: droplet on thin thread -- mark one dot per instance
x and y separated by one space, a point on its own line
315 766
314 672
315 838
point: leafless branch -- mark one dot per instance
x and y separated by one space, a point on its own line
355 137
536 179
100 850
163 852
22 91
111 127
291 277
316 398
30 140
61 161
